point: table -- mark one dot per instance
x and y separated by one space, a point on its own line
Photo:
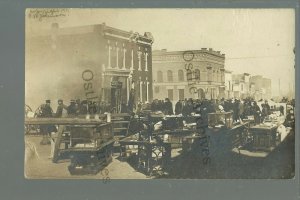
220 118
264 137
150 153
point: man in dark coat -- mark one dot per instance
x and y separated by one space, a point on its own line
92 109
61 108
188 108
46 112
131 101
264 112
267 107
72 108
83 108
178 107
168 107
155 105
256 112
236 110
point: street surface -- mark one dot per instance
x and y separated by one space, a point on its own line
224 164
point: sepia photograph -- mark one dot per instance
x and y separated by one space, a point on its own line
159 93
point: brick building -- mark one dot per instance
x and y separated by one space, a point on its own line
172 80
94 62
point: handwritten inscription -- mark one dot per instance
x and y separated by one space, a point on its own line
41 14
105 174
188 57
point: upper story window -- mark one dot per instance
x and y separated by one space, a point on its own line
160 76
170 75
180 75
197 74
203 75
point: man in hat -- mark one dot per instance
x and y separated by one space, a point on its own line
83 108
267 107
46 112
256 112
235 106
78 106
178 107
188 107
92 108
168 107
72 108
61 110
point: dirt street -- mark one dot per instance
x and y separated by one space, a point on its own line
276 164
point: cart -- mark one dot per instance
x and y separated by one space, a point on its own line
88 143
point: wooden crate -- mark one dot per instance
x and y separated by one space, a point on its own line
264 138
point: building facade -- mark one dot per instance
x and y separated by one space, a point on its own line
228 84
194 74
260 87
241 85
94 62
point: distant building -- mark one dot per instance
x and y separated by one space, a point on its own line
172 80
241 84
228 84
260 87
94 62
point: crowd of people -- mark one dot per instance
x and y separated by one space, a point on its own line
75 108
241 109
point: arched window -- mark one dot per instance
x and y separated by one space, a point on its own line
180 75
170 76
197 74
160 76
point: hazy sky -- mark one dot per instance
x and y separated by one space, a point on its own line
257 41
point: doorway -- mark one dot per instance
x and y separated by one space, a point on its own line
201 94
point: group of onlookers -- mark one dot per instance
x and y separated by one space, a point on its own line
76 107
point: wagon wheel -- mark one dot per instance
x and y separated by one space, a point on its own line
38 111
27 109
28 128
